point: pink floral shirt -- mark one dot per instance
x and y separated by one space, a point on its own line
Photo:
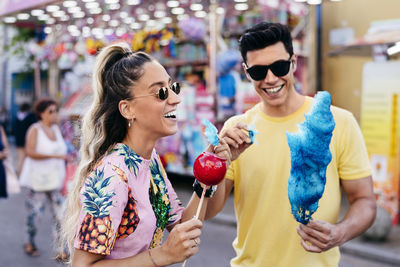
127 202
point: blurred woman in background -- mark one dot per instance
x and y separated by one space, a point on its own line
43 171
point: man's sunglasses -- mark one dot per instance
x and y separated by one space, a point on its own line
279 68
163 92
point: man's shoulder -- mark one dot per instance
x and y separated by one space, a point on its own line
341 114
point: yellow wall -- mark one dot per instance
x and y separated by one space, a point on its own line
342 75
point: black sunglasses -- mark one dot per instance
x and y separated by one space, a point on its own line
279 68
163 92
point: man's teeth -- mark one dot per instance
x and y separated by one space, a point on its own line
274 90
171 114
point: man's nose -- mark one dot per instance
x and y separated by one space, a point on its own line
270 77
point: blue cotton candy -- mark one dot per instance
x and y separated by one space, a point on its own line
252 134
210 132
310 156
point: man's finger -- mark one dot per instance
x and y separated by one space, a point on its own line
322 237
320 226
310 247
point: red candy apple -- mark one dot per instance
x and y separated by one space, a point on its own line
209 169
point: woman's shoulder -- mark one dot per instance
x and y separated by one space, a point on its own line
34 127
122 158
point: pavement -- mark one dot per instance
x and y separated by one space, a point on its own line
218 236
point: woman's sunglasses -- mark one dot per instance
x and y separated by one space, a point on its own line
279 68
51 111
163 92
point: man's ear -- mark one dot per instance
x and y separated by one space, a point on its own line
245 71
294 62
126 109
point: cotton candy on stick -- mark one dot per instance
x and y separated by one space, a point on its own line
310 156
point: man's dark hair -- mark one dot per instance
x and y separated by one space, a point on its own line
264 34
25 107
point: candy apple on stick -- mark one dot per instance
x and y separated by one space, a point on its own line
208 168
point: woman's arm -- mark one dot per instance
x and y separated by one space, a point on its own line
223 151
179 246
4 152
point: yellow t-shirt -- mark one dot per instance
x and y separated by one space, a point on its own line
266 234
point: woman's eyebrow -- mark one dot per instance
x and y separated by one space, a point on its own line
160 83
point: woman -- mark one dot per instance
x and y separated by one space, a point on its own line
43 170
3 156
121 200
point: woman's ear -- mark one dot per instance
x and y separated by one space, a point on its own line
126 109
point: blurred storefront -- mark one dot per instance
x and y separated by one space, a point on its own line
361 68
196 40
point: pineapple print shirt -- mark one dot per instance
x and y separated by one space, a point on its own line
127 202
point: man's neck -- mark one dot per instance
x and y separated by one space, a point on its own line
294 103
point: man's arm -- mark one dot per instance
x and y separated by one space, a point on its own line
319 236
362 210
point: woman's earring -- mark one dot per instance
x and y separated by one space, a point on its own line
130 123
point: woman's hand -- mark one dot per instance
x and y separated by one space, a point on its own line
183 241
221 150
237 138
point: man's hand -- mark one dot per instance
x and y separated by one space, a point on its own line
319 236
237 138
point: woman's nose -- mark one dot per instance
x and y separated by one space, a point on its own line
173 98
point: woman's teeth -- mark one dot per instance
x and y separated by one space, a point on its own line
274 90
171 114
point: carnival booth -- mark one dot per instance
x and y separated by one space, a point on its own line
196 41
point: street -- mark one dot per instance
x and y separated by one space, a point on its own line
215 248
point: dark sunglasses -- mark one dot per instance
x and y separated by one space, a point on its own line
279 68
163 92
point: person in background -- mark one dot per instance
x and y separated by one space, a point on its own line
3 155
267 233
122 200
43 170
4 119
25 118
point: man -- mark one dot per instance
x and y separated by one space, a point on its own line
267 233
25 118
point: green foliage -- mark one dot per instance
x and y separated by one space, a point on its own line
23 36
17 47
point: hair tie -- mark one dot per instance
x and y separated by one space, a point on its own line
114 60
127 54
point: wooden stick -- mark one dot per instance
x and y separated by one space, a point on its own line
198 212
